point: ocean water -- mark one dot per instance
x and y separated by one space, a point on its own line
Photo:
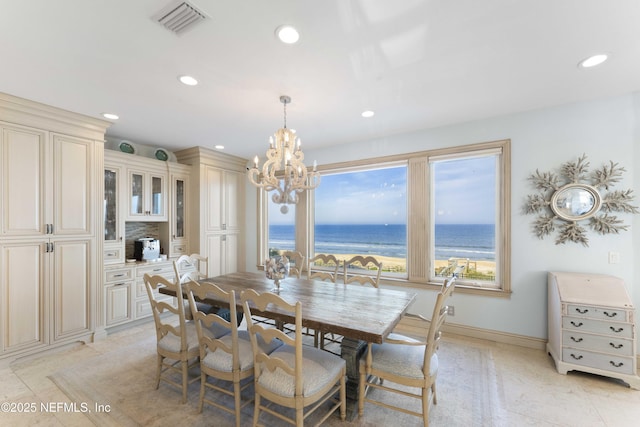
473 241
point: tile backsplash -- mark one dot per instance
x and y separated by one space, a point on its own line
138 230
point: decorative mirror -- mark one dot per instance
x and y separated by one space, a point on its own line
569 199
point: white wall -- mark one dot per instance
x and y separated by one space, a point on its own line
543 139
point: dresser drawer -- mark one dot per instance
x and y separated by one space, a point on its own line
178 249
606 362
597 326
119 275
602 313
598 343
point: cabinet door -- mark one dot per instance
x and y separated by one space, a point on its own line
147 194
22 184
23 304
71 287
111 203
212 206
232 185
118 303
73 186
137 191
222 252
222 193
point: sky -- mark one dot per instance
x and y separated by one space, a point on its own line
464 194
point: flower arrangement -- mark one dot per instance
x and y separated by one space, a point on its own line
276 269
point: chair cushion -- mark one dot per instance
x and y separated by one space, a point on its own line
222 361
318 368
403 360
171 342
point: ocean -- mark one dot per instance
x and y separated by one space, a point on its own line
473 241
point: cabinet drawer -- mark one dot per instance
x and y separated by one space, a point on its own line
143 307
603 313
111 276
178 249
598 343
606 362
112 255
601 327
162 269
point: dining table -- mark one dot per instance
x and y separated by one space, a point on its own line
361 314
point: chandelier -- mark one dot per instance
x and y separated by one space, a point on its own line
284 171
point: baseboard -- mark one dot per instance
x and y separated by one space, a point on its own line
413 325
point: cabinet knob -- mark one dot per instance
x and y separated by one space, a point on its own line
614 314
616 346
576 357
576 339
617 365
577 325
616 330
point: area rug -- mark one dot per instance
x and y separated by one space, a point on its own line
118 389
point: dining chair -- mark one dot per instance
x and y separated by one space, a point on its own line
323 267
362 270
296 262
177 340
229 357
196 267
192 267
406 361
294 376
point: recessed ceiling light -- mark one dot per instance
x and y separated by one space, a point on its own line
219 147
287 34
188 80
592 61
110 116
368 113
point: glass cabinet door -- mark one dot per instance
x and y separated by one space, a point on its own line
156 196
137 194
110 205
179 219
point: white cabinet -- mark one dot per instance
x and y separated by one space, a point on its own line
592 326
174 234
222 190
141 302
217 208
147 191
113 214
118 295
49 185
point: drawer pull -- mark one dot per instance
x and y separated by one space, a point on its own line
616 330
617 365
585 311
118 284
579 340
614 314
118 275
157 269
577 325
578 357
616 346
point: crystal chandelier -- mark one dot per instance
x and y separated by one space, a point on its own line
284 170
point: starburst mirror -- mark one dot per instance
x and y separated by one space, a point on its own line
575 195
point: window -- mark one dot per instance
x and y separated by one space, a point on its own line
425 214
364 212
282 228
464 216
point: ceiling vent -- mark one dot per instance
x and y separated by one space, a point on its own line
180 16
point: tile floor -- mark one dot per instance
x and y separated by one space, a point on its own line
528 389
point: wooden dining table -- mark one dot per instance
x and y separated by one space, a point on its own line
361 314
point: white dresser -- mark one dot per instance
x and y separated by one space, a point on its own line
592 326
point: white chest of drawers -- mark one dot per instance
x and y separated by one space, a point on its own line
592 326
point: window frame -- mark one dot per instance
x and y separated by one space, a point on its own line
419 216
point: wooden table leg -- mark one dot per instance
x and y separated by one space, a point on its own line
352 350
